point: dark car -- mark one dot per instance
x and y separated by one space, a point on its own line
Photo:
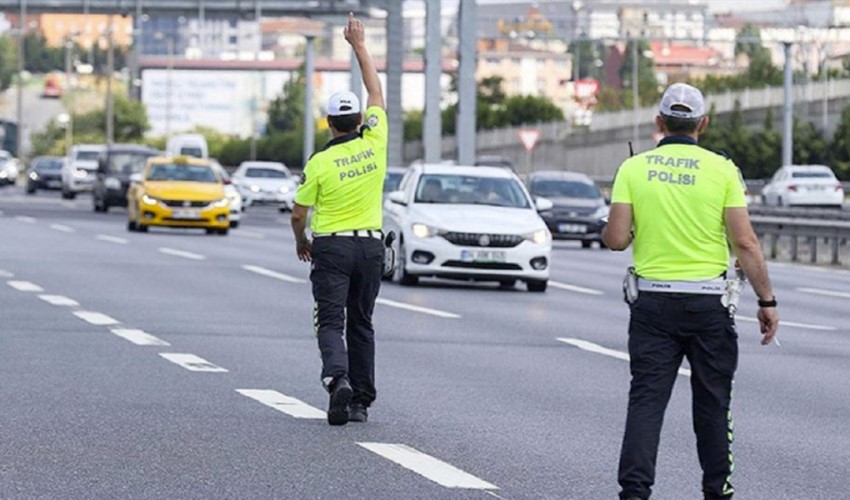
578 205
393 179
115 166
45 172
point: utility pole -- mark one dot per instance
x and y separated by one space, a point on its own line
309 126
635 93
110 72
20 84
433 70
788 109
466 91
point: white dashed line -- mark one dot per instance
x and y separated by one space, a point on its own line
96 318
62 228
419 309
598 349
6 274
792 324
436 470
574 288
273 274
59 300
181 253
827 293
25 218
111 239
192 363
139 337
24 286
283 403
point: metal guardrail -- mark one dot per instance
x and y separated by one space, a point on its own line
835 232
824 214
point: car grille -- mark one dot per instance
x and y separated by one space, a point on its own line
183 204
578 212
478 240
497 266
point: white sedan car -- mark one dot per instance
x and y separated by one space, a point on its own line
468 223
232 193
804 186
266 182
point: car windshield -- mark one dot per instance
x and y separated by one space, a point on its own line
266 173
812 175
48 164
127 163
392 181
190 173
564 189
87 155
470 190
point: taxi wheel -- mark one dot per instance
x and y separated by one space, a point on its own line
211 230
223 232
131 225
142 228
234 224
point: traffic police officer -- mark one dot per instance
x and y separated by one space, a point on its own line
343 183
676 204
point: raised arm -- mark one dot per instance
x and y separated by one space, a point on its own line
355 34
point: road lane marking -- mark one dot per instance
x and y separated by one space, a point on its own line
25 218
138 337
111 239
828 293
62 228
96 318
419 309
283 403
59 300
181 253
6 274
250 234
436 470
598 349
574 288
192 363
273 274
792 324
24 286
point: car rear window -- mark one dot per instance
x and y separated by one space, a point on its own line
127 163
564 189
812 175
48 164
266 173
87 155
188 173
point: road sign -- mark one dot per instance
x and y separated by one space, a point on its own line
529 137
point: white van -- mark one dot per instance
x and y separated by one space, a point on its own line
188 145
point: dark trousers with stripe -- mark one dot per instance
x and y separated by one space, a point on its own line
663 329
346 278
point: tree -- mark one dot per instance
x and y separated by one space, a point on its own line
38 57
761 71
587 56
523 109
810 146
840 147
8 62
286 111
647 82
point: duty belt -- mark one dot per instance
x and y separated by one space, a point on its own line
707 287
367 233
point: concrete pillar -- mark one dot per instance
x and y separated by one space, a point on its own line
394 70
788 109
466 85
309 125
433 71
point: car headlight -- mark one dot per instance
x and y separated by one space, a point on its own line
425 231
255 189
34 176
284 189
224 202
600 212
3 174
112 183
539 237
148 200
80 173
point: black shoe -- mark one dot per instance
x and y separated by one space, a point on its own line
338 405
357 412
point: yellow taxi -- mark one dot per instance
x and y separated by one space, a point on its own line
178 192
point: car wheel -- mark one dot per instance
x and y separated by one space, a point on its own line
142 228
404 278
210 230
223 232
602 245
536 285
507 284
30 189
586 244
283 209
66 194
234 224
104 207
780 202
131 225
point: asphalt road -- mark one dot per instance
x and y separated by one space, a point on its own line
38 110
477 397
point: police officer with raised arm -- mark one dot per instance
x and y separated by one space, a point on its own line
343 183
680 206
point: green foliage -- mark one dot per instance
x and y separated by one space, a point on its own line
757 153
647 83
286 112
587 56
38 57
840 148
413 125
810 146
8 61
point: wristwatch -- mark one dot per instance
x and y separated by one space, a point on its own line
767 303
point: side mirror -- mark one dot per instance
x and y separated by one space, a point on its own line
608 200
136 178
543 204
101 165
397 197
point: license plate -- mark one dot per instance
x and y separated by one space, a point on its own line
186 213
482 256
572 228
54 184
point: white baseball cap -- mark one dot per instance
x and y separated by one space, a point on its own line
342 103
685 96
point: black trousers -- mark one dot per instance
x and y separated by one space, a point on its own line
346 278
663 329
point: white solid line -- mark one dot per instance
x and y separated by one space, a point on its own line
24 286
181 253
574 288
419 309
111 239
96 318
782 322
62 228
598 349
25 218
283 403
139 337
273 274
59 300
436 470
192 363
6 274
828 293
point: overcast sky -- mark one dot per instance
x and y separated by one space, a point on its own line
714 5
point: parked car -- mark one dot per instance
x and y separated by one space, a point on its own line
10 167
232 193
495 161
45 172
194 145
52 87
804 186
80 169
115 166
468 223
578 205
393 179
266 182
178 192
